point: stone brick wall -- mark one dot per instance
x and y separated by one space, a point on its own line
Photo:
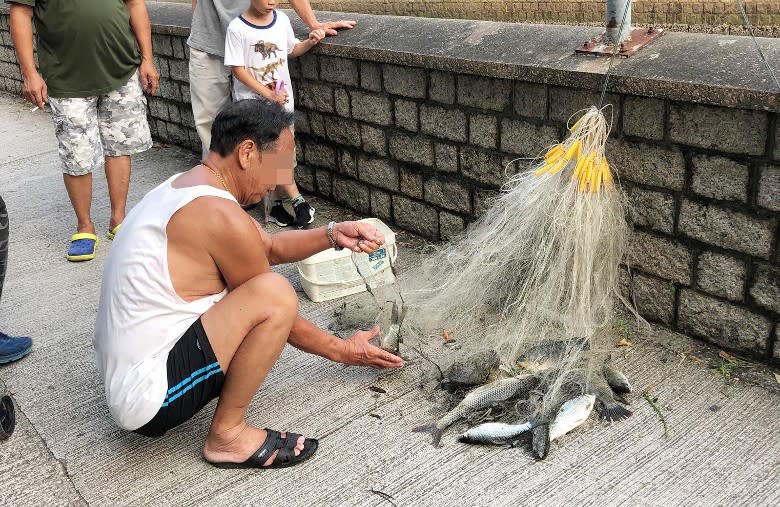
10 77
170 112
421 143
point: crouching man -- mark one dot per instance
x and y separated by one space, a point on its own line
190 310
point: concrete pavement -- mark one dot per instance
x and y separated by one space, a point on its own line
723 446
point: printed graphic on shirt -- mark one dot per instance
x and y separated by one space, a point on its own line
269 73
267 49
262 51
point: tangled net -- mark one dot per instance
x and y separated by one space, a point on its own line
538 269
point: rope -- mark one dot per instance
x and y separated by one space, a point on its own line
749 26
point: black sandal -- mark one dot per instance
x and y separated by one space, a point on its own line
285 458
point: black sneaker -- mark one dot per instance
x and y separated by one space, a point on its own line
304 214
280 216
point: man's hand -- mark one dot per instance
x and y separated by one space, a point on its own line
332 27
358 352
150 78
21 26
357 236
35 89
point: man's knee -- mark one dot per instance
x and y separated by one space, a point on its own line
276 292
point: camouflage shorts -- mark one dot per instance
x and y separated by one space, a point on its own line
109 125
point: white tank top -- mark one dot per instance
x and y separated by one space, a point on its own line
140 316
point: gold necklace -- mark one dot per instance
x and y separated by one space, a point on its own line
216 175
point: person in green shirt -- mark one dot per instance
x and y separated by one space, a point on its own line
95 60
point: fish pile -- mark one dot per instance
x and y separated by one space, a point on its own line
521 391
479 398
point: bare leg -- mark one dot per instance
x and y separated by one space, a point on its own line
80 192
280 193
247 338
118 178
286 191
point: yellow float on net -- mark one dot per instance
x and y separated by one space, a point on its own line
584 147
555 152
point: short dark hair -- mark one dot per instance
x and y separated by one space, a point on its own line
260 120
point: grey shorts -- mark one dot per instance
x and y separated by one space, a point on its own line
91 128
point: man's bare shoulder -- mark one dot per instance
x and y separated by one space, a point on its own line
213 217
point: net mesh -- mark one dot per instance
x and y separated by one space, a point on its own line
536 278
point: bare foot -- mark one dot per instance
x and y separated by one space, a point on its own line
237 444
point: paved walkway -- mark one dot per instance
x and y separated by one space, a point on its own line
723 446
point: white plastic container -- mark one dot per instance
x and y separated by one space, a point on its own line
331 274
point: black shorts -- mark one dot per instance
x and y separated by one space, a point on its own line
194 379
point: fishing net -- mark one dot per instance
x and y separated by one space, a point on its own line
535 279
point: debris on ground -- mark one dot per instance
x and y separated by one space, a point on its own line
652 401
385 496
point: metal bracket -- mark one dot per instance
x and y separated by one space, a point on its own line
638 38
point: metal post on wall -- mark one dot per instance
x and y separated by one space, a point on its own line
618 31
618 21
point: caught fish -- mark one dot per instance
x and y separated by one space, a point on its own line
392 339
495 432
390 342
479 398
572 413
549 354
616 379
540 441
606 401
471 370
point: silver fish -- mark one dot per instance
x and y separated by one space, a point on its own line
390 342
616 379
571 414
479 398
549 354
495 432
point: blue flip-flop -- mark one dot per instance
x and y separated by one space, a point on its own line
83 246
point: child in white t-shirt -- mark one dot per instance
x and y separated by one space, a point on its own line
257 46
